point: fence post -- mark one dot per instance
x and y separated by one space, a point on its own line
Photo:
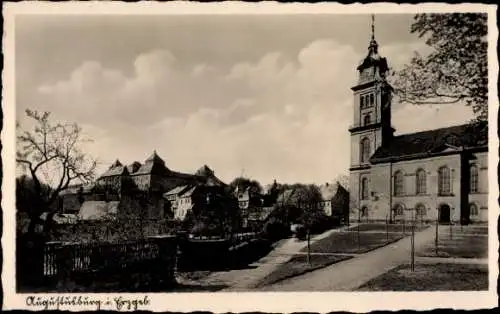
451 230
437 235
308 247
386 227
359 238
413 244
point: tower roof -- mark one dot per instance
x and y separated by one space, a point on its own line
153 164
373 59
154 158
115 164
204 171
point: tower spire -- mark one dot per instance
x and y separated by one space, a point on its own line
373 47
373 27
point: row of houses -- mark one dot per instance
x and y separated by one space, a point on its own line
171 194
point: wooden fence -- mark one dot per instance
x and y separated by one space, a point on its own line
59 261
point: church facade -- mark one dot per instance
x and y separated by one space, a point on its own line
440 174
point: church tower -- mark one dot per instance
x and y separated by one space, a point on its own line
372 119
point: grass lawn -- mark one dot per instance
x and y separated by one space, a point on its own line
431 277
390 227
347 242
459 246
298 265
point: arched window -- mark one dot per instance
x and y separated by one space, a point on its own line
364 211
473 210
365 150
367 119
444 184
473 179
364 188
398 210
421 182
398 183
420 210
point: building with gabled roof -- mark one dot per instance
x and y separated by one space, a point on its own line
439 174
334 200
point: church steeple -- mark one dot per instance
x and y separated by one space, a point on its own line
373 47
371 127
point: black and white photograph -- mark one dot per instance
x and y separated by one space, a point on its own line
149 152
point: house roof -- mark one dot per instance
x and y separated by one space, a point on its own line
189 192
177 190
261 214
115 169
208 176
285 196
433 142
328 191
133 167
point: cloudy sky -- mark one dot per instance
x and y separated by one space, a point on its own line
265 95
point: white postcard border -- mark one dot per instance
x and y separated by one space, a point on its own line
239 302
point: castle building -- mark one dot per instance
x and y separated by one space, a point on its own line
150 179
439 174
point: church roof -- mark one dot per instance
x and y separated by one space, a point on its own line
433 142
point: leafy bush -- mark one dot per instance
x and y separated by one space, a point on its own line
275 230
206 229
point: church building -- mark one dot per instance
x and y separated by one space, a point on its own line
440 174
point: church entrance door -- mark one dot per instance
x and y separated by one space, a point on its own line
444 214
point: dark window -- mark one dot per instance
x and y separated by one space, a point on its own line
398 183
420 210
365 150
362 103
473 210
372 99
367 119
364 211
398 210
364 188
444 181
421 182
473 179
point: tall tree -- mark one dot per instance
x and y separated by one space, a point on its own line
456 71
51 155
242 183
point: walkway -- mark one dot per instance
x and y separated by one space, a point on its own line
246 279
350 274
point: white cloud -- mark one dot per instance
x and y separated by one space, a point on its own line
283 117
